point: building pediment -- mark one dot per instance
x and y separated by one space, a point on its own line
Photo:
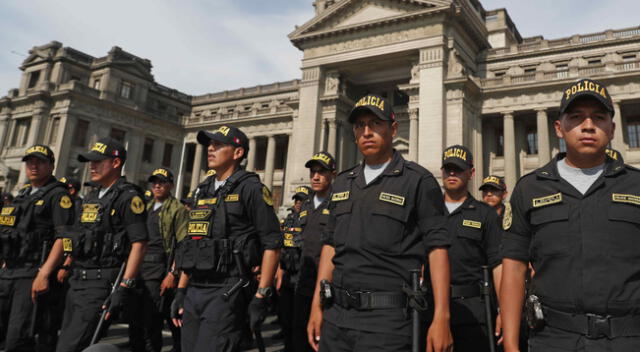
348 15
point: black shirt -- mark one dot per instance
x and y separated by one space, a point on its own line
153 266
313 220
584 248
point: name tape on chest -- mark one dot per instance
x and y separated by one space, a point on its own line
232 198
338 197
548 200
208 201
7 210
89 212
625 198
392 198
471 223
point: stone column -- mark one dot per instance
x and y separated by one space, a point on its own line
510 164
197 166
4 131
544 148
431 107
618 135
63 143
323 135
34 132
251 158
333 133
413 134
270 161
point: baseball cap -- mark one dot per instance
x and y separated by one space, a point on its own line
375 104
226 135
39 151
493 181
323 159
586 88
71 182
459 156
302 192
162 174
106 147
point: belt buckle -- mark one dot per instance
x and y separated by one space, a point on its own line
598 326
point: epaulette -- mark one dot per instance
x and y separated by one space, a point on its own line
349 170
629 167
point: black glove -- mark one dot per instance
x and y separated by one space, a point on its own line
117 300
258 310
178 303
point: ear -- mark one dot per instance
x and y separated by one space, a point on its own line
394 129
117 163
473 172
557 125
238 153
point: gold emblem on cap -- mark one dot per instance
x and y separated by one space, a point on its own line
583 86
491 179
99 147
223 129
137 205
302 190
162 172
371 101
455 153
37 149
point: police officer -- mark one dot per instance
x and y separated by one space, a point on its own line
494 193
230 231
475 234
30 251
386 218
576 220
287 274
313 218
166 225
111 232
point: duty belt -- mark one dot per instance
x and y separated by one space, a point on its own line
363 300
94 274
593 326
465 291
154 258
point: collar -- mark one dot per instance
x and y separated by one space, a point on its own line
395 167
469 204
612 168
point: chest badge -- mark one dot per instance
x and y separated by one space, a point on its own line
391 198
548 200
471 223
338 197
89 212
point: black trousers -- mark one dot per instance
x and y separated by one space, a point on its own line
470 338
301 312
336 339
555 340
210 323
82 312
285 312
145 325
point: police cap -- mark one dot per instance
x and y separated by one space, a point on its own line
39 151
230 135
459 156
374 104
162 174
586 88
323 159
106 147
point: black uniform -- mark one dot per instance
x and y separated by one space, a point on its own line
238 215
99 245
476 235
290 264
31 222
312 220
380 231
584 250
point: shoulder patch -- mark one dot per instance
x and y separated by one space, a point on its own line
266 196
508 217
137 205
337 197
303 214
547 200
625 198
65 202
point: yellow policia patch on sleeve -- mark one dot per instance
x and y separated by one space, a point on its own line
338 197
625 198
325 212
266 196
67 245
232 198
65 202
471 223
392 198
137 205
548 200
508 217
303 214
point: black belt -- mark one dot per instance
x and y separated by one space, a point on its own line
154 258
592 325
369 300
465 291
95 274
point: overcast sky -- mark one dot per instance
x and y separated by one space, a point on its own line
204 46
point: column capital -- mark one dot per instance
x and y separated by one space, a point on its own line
541 110
508 114
413 113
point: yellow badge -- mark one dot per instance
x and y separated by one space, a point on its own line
266 196
7 210
471 223
67 245
199 214
303 214
625 198
288 236
63 179
7 220
198 228
208 201
289 243
137 205
337 197
391 198
211 172
65 202
40 202
325 212
232 198
89 212
508 217
548 200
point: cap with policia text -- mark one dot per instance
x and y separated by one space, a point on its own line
459 156
323 159
106 147
226 135
493 181
586 88
377 105
302 193
39 151
162 174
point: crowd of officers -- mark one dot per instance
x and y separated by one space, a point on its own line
375 258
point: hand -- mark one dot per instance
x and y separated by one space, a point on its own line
258 309
62 275
116 301
499 329
177 307
279 277
439 337
169 283
40 285
314 326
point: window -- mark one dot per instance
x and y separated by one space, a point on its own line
167 155
117 134
594 62
21 132
34 77
500 142
491 18
80 134
562 70
96 83
532 142
265 105
126 89
633 132
53 132
529 70
500 74
147 150
629 57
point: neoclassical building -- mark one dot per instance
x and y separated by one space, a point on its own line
455 73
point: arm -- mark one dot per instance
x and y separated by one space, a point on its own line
269 265
41 282
439 334
325 272
138 250
511 301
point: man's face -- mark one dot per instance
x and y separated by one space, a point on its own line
161 190
220 156
103 169
493 196
297 205
38 170
587 127
374 136
454 178
320 178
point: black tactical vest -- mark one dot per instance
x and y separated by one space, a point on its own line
292 240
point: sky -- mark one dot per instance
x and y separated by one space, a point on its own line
205 46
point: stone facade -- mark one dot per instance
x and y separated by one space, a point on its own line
455 73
